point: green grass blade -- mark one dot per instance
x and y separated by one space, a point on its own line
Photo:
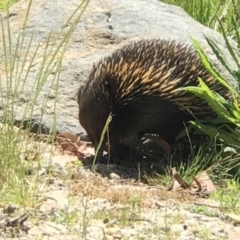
220 56
105 129
230 49
237 31
211 69
205 93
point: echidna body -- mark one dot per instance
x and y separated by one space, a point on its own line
141 86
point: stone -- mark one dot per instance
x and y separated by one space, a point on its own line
234 233
105 26
50 228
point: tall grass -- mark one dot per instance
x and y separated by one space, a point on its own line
228 112
208 12
224 17
4 4
19 54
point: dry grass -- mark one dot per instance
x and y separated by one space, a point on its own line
120 191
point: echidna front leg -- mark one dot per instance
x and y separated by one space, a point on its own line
161 142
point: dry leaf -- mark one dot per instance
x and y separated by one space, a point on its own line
69 142
174 185
67 145
178 181
74 139
82 148
203 183
199 186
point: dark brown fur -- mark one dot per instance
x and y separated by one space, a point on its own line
140 85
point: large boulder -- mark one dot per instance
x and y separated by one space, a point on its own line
105 26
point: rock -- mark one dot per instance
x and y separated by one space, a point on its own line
114 176
50 228
105 26
234 233
48 206
56 164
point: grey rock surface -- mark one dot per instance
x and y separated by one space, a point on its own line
105 26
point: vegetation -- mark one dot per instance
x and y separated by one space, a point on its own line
209 12
18 150
224 17
15 145
4 4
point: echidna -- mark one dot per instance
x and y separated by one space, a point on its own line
141 86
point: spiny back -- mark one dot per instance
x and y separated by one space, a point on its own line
156 68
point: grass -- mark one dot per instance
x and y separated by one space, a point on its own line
19 152
4 4
16 71
208 12
222 16
229 197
